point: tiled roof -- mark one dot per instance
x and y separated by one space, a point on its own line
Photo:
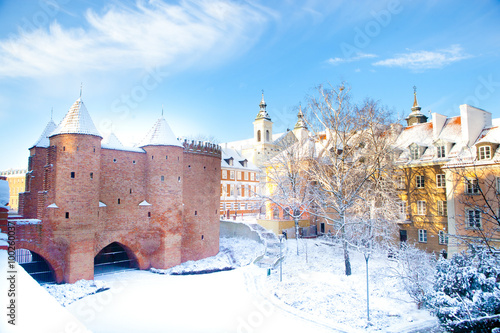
160 135
77 121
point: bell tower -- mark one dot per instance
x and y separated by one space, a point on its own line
416 117
262 126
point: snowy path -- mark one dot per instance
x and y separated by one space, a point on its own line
140 301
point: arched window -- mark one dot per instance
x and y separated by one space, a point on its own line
267 136
276 213
258 136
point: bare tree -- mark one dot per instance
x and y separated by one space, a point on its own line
354 162
289 187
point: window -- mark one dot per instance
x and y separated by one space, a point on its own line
133 162
179 179
441 151
252 176
473 218
72 174
119 201
224 174
403 209
421 207
149 214
471 186
162 178
440 181
442 208
258 136
195 212
245 176
267 136
422 235
114 160
91 175
443 238
420 181
414 155
67 215
484 152
239 175
231 175
231 190
498 184
400 182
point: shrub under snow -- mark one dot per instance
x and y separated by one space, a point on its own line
466 293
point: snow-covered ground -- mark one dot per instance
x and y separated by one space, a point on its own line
319 289
314 296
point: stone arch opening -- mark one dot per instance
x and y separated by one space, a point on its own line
35 265
114 257
258 136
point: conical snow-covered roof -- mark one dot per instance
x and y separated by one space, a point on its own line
77 121
112 142
43 141
160 135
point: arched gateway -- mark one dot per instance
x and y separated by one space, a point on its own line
35 265
114 257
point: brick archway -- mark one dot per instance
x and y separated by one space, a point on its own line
115 256
52 263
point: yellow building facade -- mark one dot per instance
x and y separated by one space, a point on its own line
17 180
448 183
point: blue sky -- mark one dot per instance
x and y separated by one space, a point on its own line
207 61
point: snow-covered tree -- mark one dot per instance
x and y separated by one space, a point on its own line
288 185
466 294
353 165
415 268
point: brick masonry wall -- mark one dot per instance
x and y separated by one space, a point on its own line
201 205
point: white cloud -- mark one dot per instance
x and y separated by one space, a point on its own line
359 56
421 60
147 35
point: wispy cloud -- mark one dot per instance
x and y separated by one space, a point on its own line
422 60
146 35
357 57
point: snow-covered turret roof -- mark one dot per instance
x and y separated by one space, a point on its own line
43 141
112 142
160 135
77 121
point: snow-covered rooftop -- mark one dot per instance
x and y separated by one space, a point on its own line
77 121
112 142
228 153
43 141
160 135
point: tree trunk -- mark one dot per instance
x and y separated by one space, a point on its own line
296 220
347 260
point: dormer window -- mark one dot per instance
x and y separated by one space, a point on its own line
414 153
244 163
229 161
441 152
484 153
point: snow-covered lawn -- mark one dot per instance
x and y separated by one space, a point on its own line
314 296
319 288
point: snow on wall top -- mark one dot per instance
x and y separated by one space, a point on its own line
160 135
4 193
77 121
43 141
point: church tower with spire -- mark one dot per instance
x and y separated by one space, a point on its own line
263 134
416 117
300 130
